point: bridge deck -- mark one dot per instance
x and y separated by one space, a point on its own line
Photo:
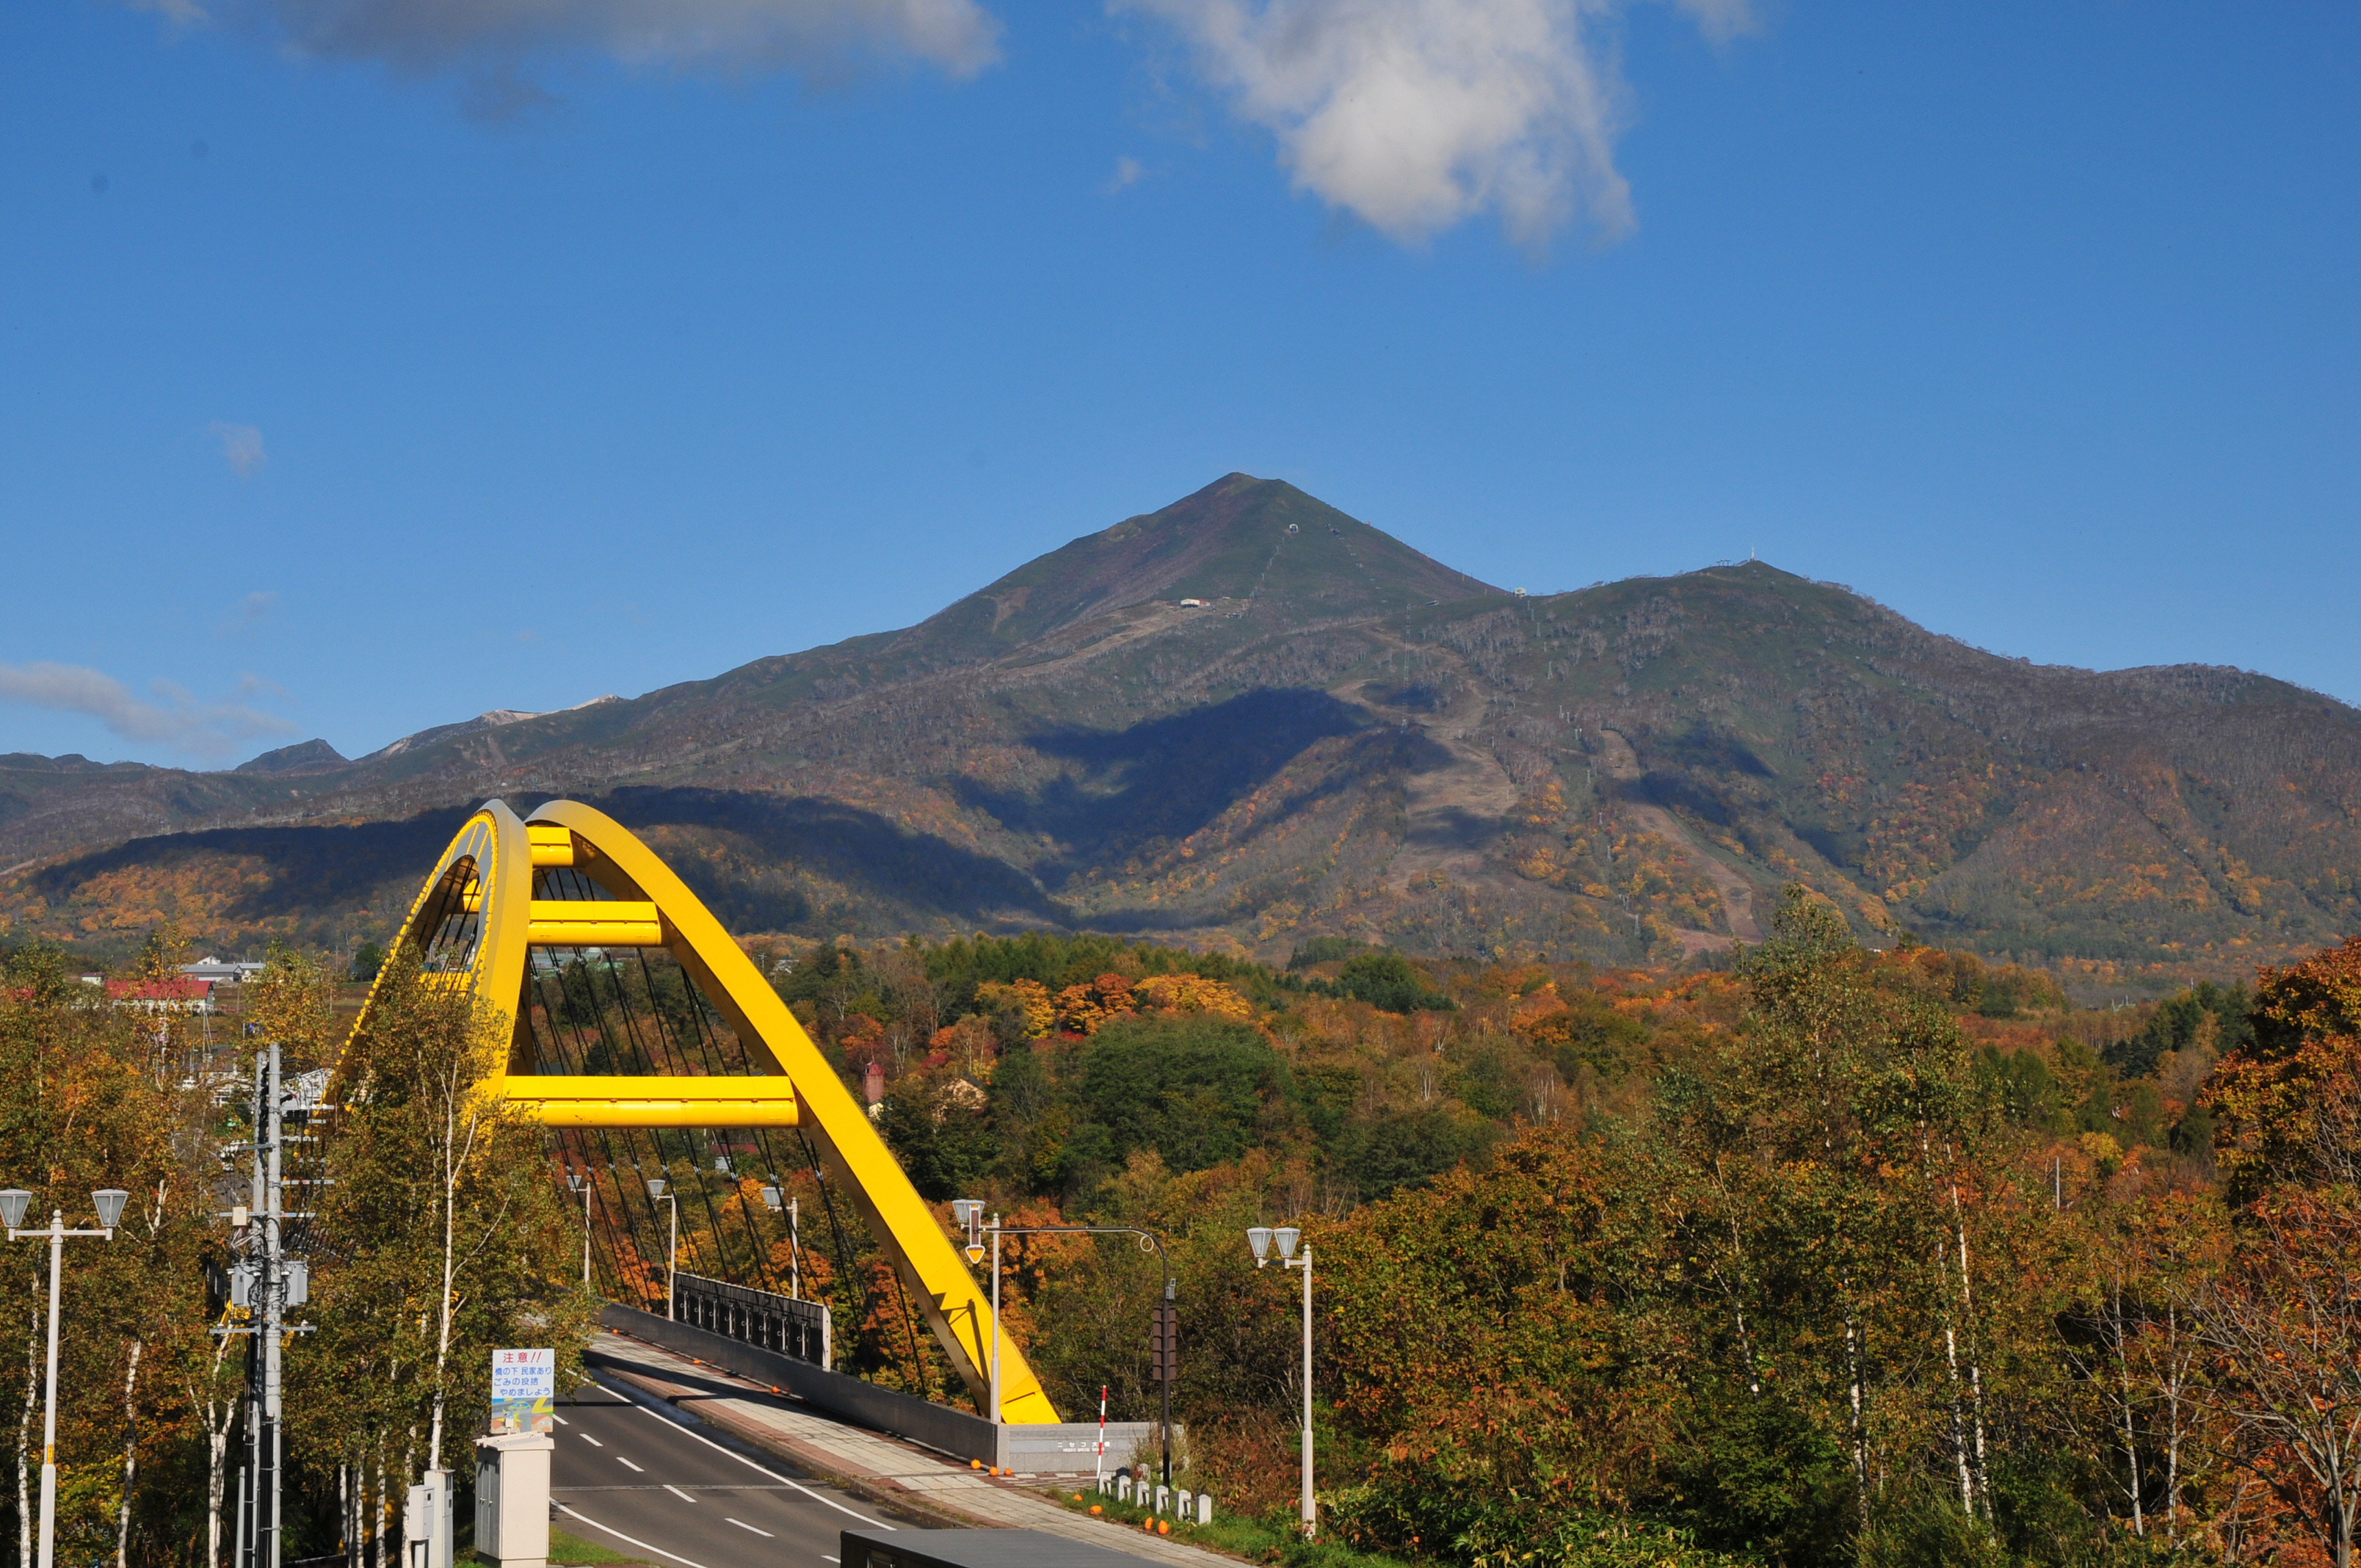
864 1463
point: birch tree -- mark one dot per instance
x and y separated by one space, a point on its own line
449 1241
84 1104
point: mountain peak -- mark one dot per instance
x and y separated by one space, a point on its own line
1239 539
1627 772
304 757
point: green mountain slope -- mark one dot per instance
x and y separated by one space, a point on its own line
1347 737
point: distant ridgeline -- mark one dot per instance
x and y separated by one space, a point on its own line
1342 737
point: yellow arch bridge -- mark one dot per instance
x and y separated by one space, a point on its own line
517 909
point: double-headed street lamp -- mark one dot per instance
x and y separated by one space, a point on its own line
657 1194
1260 1238
108 1201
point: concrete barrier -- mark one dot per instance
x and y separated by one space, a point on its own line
1073 1448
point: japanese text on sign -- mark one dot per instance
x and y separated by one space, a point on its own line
525 1386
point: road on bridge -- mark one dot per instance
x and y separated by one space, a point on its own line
649 1486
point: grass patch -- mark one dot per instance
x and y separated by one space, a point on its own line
1274 1537
573 1550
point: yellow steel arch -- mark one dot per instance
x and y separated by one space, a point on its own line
476 919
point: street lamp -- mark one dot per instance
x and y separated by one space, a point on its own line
580 1181
657 1194
968 1213
775 1202
108 1201
1260 1238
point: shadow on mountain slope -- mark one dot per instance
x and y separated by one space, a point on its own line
303 869
775 835
1165 778
742 854
1243 877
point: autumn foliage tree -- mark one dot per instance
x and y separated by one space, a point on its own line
1801 1313
449 1239
2282 1318
90 1097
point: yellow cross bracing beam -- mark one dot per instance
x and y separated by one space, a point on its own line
474 922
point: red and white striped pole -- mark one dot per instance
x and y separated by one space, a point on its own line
1101 1463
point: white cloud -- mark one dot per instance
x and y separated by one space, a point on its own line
1127 171
1720 21
494 40
1416 114
251 611
242 444
178 720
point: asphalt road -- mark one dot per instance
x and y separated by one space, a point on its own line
653 1486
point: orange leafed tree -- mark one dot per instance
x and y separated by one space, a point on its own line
1023 1004
2282 1320
1082 1009
2307 1041
1192 993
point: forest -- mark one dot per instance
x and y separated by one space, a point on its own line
1838 1256
1832 1256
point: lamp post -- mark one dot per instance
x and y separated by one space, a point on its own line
109 1203
580 1181
996 1320
968 1213
1260 1238
794 1208
671 1250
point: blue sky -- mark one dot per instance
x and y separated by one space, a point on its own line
356 377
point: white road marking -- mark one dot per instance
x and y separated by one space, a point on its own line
561 1421
742 1524
592 1440
628 1464
826 1558
626 1539
677 1492
807 1491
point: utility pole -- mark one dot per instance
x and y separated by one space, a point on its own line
265 1280
266 1239
1166 1356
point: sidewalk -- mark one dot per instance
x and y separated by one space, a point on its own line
864 1463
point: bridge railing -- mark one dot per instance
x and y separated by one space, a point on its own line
763 1319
